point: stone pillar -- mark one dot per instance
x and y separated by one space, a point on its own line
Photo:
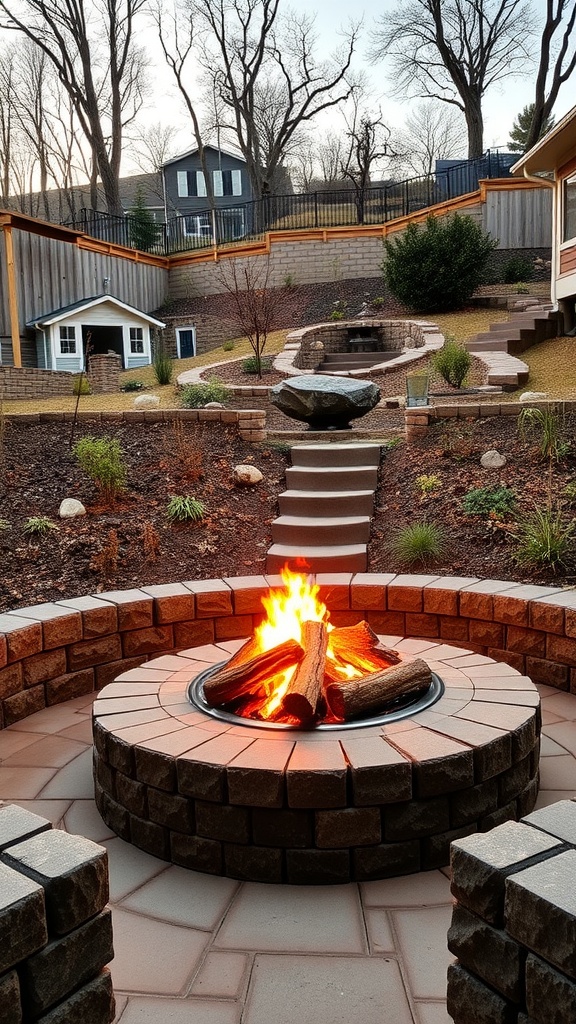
104 374
252 425
417 421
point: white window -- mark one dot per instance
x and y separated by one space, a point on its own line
569 209
136 340
68 341
228 183
191 183
198 226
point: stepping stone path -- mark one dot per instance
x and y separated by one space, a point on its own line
326 511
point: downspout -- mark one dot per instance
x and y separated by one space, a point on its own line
555 219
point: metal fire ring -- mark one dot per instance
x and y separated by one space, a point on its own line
400 708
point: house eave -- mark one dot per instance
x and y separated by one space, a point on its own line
552 151
58 315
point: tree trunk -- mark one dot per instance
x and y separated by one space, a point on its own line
474 125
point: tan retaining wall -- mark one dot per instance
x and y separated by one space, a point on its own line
251 422
17 383
55 651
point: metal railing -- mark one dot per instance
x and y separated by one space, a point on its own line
244 222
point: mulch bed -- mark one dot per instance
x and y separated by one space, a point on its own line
133 543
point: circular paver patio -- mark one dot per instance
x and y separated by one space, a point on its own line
202 949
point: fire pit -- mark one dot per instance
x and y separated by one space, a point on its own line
272 784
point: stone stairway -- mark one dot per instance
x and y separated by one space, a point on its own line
500 346
346 362
325 513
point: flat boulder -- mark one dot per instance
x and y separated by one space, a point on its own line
325 403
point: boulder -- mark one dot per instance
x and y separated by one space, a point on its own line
246 475
533 396
213 405
146 402
325 403
70 508
493 460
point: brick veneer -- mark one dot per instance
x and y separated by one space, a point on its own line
418 420
514 924
55 930
18 383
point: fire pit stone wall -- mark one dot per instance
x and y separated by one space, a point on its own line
392 335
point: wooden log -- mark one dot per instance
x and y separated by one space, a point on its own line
360 696
232 681
348 641
302 699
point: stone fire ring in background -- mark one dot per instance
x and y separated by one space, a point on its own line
314 808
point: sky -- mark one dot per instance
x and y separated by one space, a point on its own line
501 104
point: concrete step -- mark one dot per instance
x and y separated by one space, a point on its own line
337 454
367 358
342 558
326 503
332 478
311 530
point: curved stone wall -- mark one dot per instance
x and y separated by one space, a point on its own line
50 653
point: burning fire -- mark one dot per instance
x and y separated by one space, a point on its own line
287 609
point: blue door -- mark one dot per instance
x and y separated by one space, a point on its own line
187 342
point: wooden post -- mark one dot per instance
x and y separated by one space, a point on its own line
6 223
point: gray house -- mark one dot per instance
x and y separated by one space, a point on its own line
186 194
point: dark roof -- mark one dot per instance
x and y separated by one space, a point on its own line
215 149
80 304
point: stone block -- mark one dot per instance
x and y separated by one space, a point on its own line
558 819
222 822
284 828
326 867
550 996
65 964
348 827
386 860
131 794
72 684
41 667
10 1006
91 1004
21 636
513 781
416 819
23 704
316 775
435 849
93 652
481 864
196 853
174 812
11 680
256 776
488 952
380 773
541 911
23 929
547 672
193 633
148 836
134 608
98 617
146 641
73 872
440 764
17 824
253 863
474 803
470 1001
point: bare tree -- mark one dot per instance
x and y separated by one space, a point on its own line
255 305
93 51
556 63
454 51
431 132
369 141
7 117
264 71
153 146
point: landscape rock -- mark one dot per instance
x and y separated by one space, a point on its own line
493 460
146 402
246 475
533 396
213 405
70 508
325 403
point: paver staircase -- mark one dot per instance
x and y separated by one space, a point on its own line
345 362
325 513
500 346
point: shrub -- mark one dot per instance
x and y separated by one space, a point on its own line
133 385
336 314
38 526
228 346
183 508
452 362
543 538
437 267
195 396
105 561
427 483
482 501
517 268
150 541
80 386
163 366
419 543
378 302
101 458
570 491
250 364
547 426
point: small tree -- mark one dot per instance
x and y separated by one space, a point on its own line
255 306
520 131
143 227
436 268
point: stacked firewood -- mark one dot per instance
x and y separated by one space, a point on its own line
318 688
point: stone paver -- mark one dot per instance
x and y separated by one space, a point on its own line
201 949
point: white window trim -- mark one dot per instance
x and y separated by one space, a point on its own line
200 184
58 340
197 217
185 327
182 180
218 179
237 182
568 243
136 327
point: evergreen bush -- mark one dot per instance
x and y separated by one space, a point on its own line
452 362
195 396
437 267
101 458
